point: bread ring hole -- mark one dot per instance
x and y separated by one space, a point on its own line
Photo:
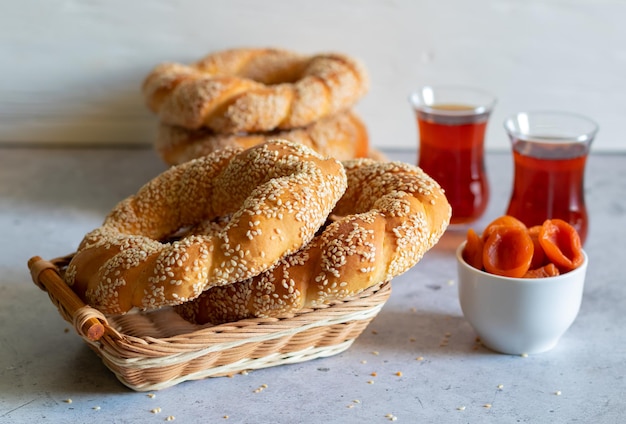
275 72
332 218
205 228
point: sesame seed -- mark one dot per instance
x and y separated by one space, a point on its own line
260 388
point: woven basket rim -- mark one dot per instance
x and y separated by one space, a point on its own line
148 362
243 326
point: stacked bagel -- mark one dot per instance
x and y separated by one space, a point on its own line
245 96
259 232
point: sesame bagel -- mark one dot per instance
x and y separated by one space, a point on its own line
342 136
273 198
389 216
254 90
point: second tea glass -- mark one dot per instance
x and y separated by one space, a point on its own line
549 153
452 122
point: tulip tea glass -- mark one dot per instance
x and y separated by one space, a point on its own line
549 153
452 123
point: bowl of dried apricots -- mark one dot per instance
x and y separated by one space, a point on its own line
521 288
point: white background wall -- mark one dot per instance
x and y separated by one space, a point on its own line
70 70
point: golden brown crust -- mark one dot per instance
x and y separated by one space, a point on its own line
389 216
254 90
271 200
342 136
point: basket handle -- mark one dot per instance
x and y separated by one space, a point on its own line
46 275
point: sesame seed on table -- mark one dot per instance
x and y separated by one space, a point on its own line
428 364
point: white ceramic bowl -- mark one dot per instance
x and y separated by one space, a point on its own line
519 315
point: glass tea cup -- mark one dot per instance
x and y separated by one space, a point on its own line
451 123
550 150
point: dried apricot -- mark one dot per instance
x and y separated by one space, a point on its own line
549 270
502 221
561 244
508 251
539 257
473 250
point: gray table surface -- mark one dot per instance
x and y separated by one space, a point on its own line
49 198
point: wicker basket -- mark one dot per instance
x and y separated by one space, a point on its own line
152 351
